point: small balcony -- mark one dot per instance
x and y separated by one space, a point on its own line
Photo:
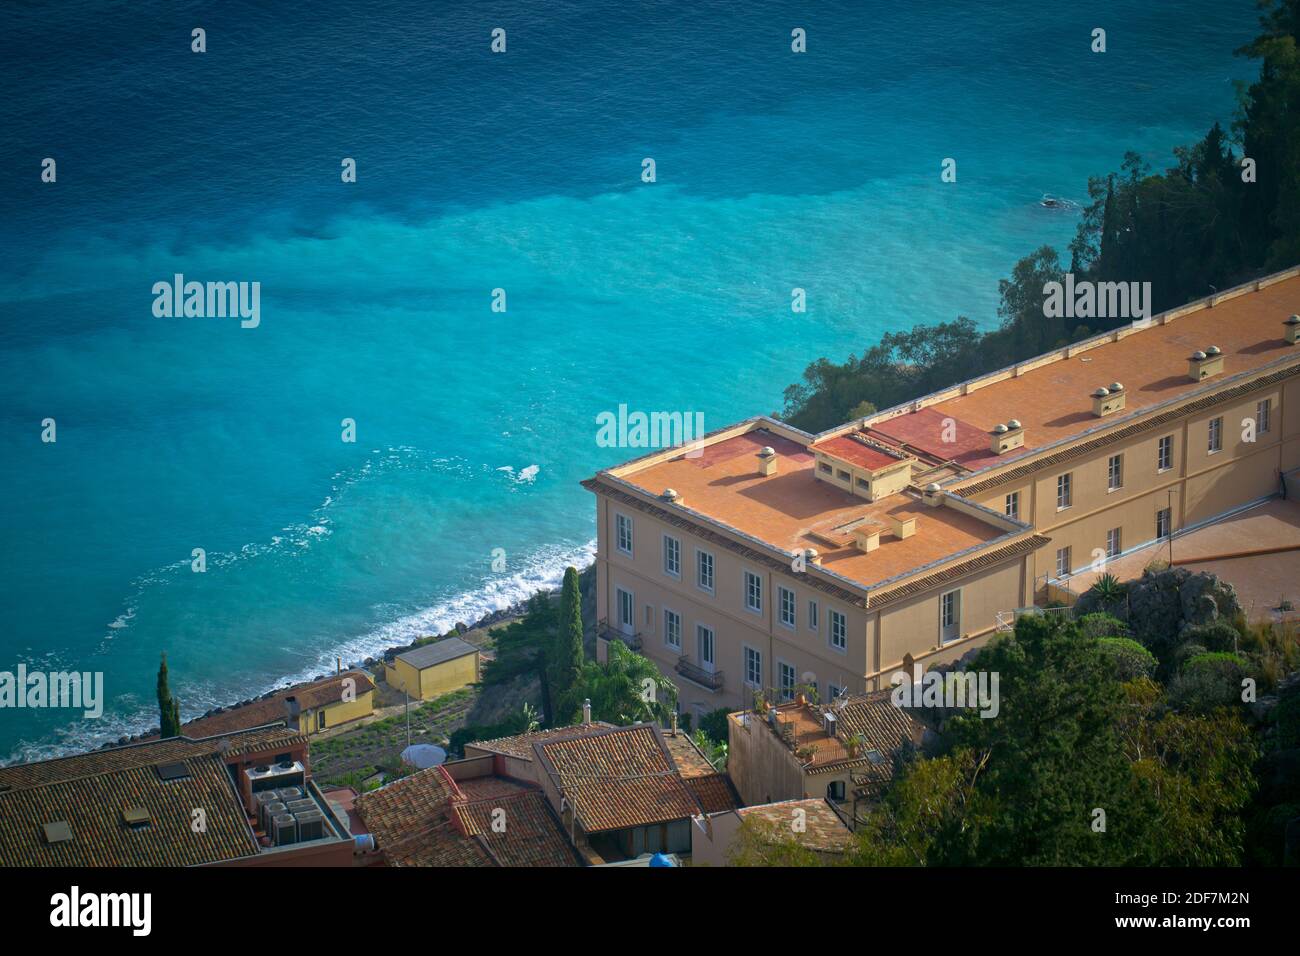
696 674
631 641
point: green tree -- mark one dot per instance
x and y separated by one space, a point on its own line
626 689
169 708
566 658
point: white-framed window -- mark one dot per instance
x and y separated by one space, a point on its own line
753 668
704 571
1263 415
839 630
626 610
753 592
704 645
1115 473
1113 547
1011 508
1063 562
787 680
1165 453
949 616
672 629
813 624
825 468
1163 523
1215 435
842 475
623 528
1064 491
789 609
672 557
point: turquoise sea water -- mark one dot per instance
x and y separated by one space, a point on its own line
476 172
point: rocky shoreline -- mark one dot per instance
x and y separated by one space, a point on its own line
486 621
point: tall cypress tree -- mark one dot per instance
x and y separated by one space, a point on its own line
169 708
566 657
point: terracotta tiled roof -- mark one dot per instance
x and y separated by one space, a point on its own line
521 745
90 792
145 754
793 510
412 823
856 452
690 761
427 819
271 710
820 827
1123 428
620 778
713 792
886 730
950 572
529 834
93 808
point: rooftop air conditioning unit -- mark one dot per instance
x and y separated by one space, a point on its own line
268 777
831 724
270 811
311 825
285 794
284 829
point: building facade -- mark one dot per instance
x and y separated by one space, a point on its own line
766 559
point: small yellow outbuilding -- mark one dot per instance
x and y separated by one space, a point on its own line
434 669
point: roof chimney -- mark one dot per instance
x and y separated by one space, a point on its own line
292 709
586 711
933 494
767 461
1006 437
1108 400
902 527
1292 329
866 537
673 729
671 496
1201 365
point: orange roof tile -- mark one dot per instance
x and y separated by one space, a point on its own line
1053 400
620 778
793 510
272 709
855 452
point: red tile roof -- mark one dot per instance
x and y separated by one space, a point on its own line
616 779
272 709
855 452
427 819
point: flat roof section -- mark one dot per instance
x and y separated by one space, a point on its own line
793 510
1053 400
437 653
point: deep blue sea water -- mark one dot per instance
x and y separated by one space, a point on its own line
476 171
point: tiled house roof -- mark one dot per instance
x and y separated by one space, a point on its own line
272 710
91 793
688 758
427 820
619 778
93 808
146 753
713 792
821 827
531 835
521 745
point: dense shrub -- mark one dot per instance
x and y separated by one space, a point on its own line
1130 659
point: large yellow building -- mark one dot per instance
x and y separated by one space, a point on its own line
766 558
